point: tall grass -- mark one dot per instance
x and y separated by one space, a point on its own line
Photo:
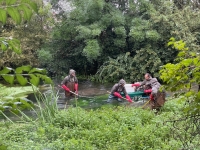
45 109
47 104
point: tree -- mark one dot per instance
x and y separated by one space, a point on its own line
18 11
32 35
14 9
93 32
183 74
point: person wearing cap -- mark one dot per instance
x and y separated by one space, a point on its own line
70 83
116 90
153 85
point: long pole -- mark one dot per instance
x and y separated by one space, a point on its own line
146 103
77 94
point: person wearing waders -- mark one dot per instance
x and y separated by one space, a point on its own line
70 83
152 83
116 90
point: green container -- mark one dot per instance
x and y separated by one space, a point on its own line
134 94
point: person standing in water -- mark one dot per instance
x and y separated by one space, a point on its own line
70 83
116 90
153 85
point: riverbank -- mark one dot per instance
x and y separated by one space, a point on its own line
106 128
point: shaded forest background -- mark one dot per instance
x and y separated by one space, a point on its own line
103 39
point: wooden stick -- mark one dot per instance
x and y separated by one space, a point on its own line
70 91
146 103
76 94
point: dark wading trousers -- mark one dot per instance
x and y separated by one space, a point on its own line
70 85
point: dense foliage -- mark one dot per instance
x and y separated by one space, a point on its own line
109 39
105 128
14 98
184 74
27 36
24 75
19 11
94 34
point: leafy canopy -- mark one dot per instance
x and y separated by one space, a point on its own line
25 74
18 11
183 74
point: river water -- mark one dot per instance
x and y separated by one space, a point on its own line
92 95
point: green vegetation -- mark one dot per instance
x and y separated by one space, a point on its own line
123 39
24 75
14 98
105 40
13 9
105 128
20 12
184 74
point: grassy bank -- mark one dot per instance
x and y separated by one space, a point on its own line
114 128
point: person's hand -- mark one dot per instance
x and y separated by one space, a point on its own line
117 95
148 91
129 99
135 84
151 97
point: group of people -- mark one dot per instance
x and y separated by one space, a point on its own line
151 87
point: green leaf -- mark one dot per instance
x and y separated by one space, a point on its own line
31 4
14 13
9 78
5 70
4 46
187 62
3 147
10 2
23 68
196 60
45 78
181 54
38 70
3 16
172 39
22 81
34 80
26 11
190 93
14 44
